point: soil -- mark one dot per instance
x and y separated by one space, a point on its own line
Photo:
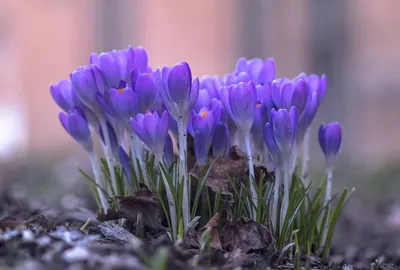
35 234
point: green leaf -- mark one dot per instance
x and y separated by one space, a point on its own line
332 224
200 186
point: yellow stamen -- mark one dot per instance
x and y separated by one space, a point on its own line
204 114
120 90
258 105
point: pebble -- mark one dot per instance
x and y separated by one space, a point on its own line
76 254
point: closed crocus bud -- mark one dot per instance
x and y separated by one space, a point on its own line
240 103
284 127
221 140
212 84
168 151
152 130
287 93
204 125
86 85
177 90
125 161
330 140
63 94
76 125
113 138
145 88
260 71
308 116
125 103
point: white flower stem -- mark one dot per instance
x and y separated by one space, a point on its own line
171 201
251 176
136 149
305 157
278 179
286 182
108 153
328 197
183 172
99 180
267 160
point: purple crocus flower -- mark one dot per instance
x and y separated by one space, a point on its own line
63 94
145 87
76 125
316 84
152 130
280 132
221 140
124 103
259 71
87 82
125 162
287 93
240 103
330 140
168 151
204 125
212 84
177 90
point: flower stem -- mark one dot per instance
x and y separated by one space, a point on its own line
183 172
278 178
171 201
328 198
108 153
251 176
286 182
305 157
135 145
98 179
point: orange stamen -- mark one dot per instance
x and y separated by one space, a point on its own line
120 90
204 114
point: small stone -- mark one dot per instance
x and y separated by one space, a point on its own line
27 236
76 254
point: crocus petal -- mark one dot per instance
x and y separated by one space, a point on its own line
270 141
146 92
179 83
125 162
141 59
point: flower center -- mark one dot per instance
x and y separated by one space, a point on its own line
258 105
204 114
120 90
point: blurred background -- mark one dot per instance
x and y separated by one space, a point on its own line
356 43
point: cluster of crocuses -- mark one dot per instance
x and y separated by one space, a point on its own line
135 109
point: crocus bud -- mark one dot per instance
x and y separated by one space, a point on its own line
240 103
204 125
221 140
330 140
63 94
86 85
124 102
168 151
125 162
177 90
280 132
152 130
145 88
76 125
260 72
287 93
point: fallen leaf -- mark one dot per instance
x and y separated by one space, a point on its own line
245 234
142 201
213 226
